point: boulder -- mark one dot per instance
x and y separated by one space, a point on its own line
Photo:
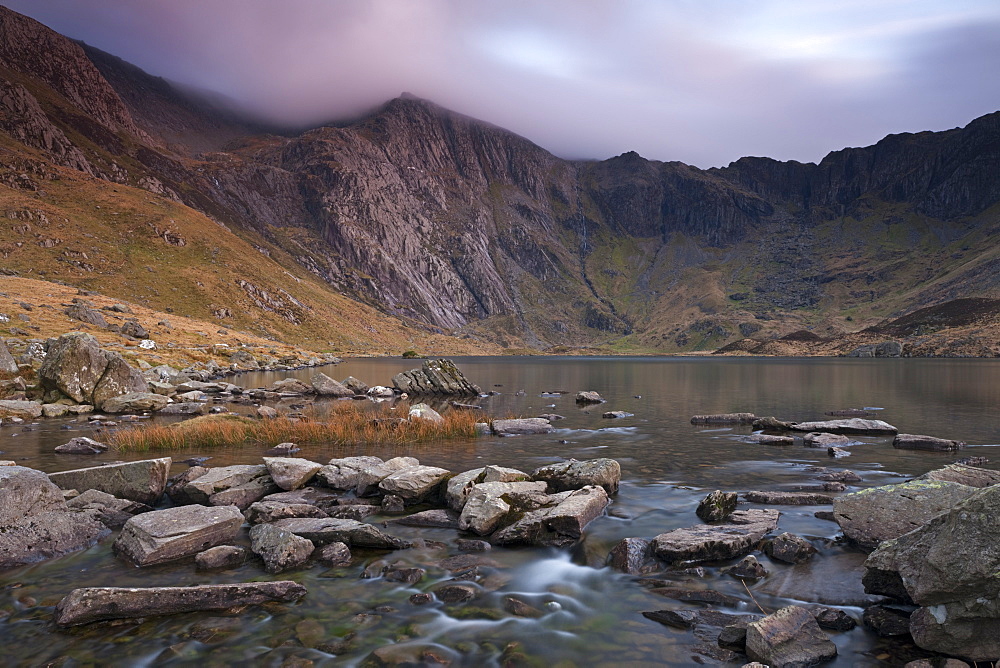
877 514
334 554
717 506
435 377
84 313
768 439
460 486
245 495
142 481
264 511
134 402
25 492
291 386
589 397
119 379
343 473
614 415
886 621
48 534
748 568
964 475
833 619
485 509
175 533
8 364
559 525
291 472
573 474
415 484
771 424
25 410
788 498
349 532
724 418
948 567
354 385
185 408
222 478
743 532
789 638
370 477
325 386
176 484
81 445
520 426
221 556
279 549
789 548
76 365
424 412
818 439
92 604
630 555
918 442
848 426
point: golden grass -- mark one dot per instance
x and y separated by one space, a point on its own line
347 424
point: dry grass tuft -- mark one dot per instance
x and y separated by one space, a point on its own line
347 423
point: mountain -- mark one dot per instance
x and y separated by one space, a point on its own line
419 222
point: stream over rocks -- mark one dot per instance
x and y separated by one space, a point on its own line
497 551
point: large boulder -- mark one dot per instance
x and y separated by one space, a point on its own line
370 477
573 474
435 377
142 481
349 532
93 604
415 484
948 567
485 507
175 533
134 402
460 486
559 524
789 638
279 549
291 472
325 386
49 534
343 473
76 365
222 478
877 514
739 536
25 492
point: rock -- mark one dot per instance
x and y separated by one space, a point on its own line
962 474
222 478
220 557
689 619
837 452
370 477
112 512
334 554
439 519
788 498
630 555
706 596
918 442
768 439
485 509
48 534
354 385
325 386
265 511
589 397
279 549
520 426
291 472
407 576
878 514
716 542
134 402
54 410
76 366
176 484
455 593
8 365
25 410
724 418
559 525
748 568
92 604
612 415
573 474
948 566
460 486
118 379
886 621
771 424
185 408
353 512
285 449
883 349
245 495
343 473
393 505
717 506
848 426
424 412
349 532
415 484
142 481
81 445
435 377
175 533
413 654
845 475
818 439
789 638
291 386
266 413
25 492
936 662
789 548
833 619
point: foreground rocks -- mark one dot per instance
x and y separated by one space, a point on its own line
175 533
92 604
789 638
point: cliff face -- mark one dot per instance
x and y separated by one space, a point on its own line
444 220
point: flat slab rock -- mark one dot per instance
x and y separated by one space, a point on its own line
142 481
521 426
789 637
848 426
789 498
739 536
724 418
291 473
349 532
92 604
964 475
930 443
175 533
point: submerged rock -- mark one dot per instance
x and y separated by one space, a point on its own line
92 604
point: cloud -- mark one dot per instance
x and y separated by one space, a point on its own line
702 82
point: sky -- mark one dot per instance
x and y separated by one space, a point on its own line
700 81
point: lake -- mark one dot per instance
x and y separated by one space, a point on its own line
590 615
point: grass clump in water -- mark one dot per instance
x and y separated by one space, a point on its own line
347 423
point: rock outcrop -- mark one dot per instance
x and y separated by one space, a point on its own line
435 377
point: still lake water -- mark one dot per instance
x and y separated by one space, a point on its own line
591 614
